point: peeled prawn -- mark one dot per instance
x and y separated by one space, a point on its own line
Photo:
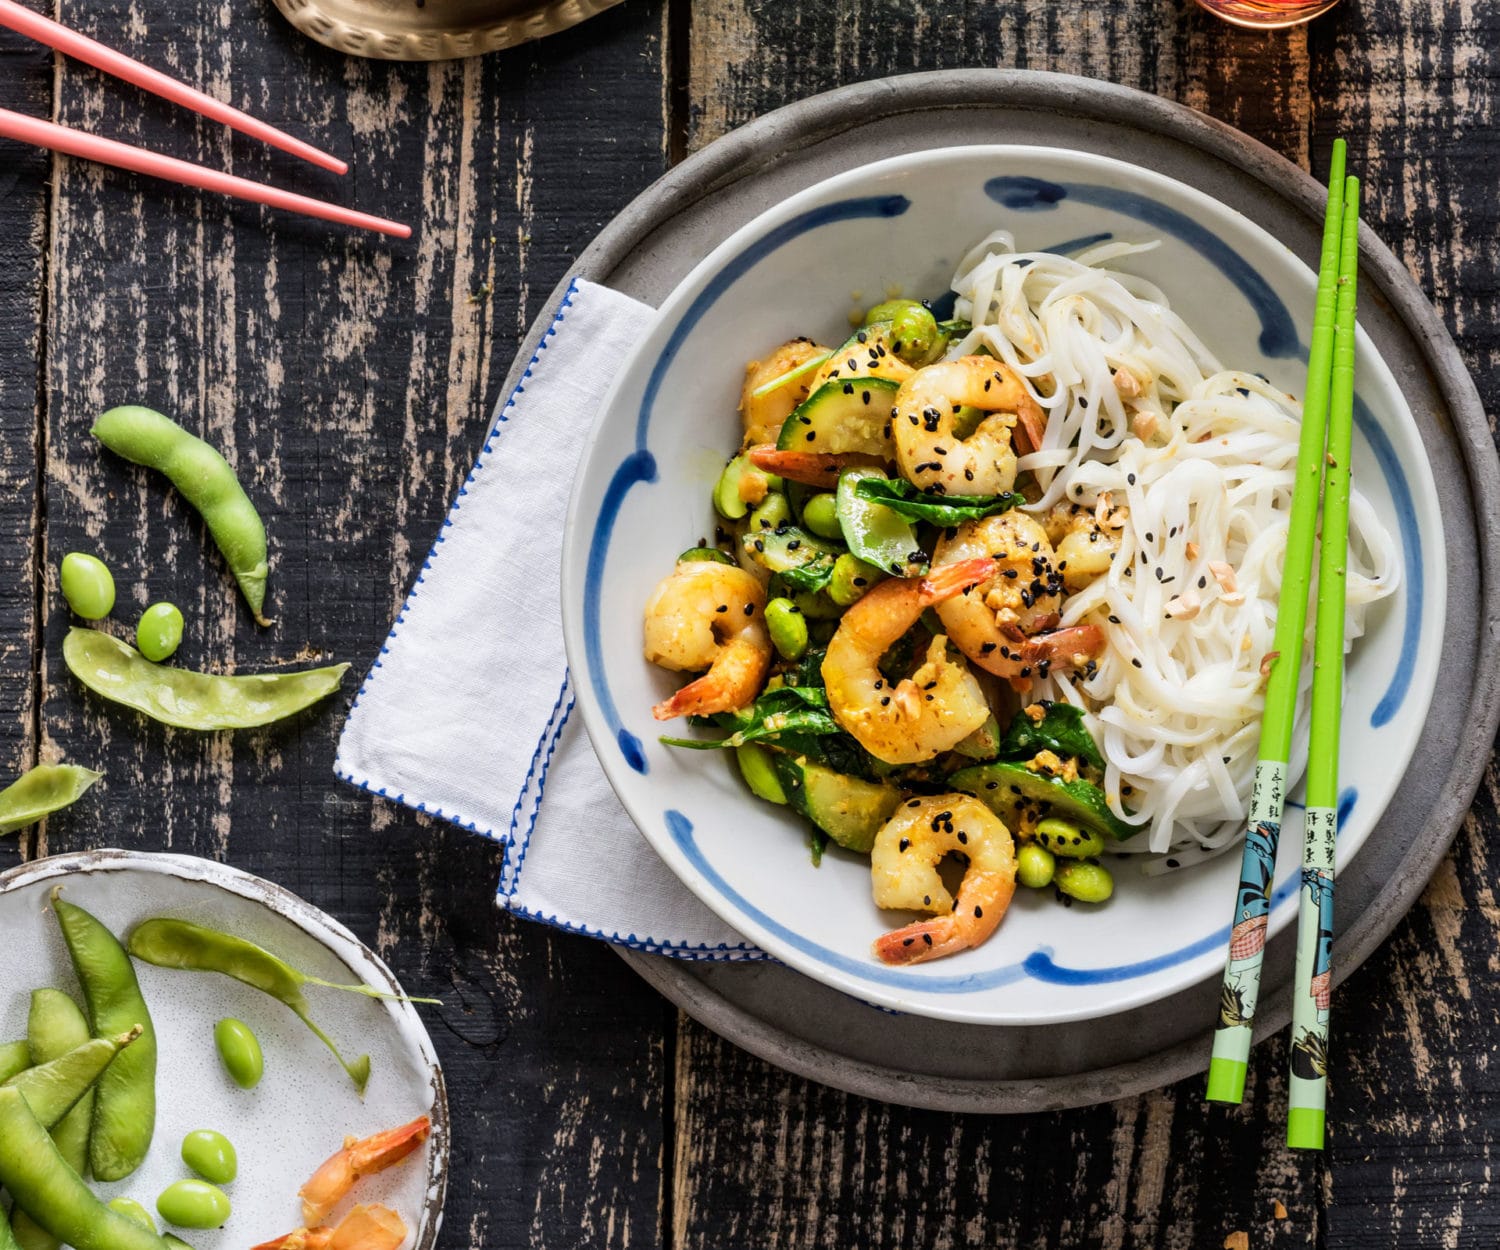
1007 625
706 615
904 875
811 468
764 415
357 1158
365 1228
928 450
921 716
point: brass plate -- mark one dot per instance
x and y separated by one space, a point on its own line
439 30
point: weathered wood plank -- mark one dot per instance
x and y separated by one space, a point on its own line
351 381
25 86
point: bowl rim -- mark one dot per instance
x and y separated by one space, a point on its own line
1148 989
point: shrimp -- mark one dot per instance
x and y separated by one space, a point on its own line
904 874
765 414
358 1158
811 468
706 615
1007 625
928 450
920 717
364 1228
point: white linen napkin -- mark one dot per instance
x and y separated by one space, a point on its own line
467 712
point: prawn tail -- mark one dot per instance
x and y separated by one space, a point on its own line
810 468
1073 647
920 941
952 579
729 685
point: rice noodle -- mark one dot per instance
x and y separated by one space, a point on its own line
1141 415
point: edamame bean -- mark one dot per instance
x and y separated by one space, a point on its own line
205 480
1063 837
1034 865
132 1210
125 1097
40 791
239 1049
43 1185
189 700
772 511
705 553
87 585
159 631
817 606
787 627
820 514
211 1155
914 330
1085 880
851 579
759 772
193 1204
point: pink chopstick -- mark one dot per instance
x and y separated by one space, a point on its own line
107 151
54 35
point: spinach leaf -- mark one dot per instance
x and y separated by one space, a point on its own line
789 710
812 576
1060 730
922 505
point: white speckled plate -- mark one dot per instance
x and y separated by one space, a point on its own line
305 1104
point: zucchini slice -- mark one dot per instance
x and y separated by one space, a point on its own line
874 533
848 810
843 416
1000 786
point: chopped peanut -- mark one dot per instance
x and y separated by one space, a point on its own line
1223 574
1185 606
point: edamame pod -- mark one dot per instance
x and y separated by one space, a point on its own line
189 700
125 1097
14 1057
46 1188
44 789
205 480
59 1090
56 1089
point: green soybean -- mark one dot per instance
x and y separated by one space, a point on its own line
125 1097
159 631
187 699
87 585
1035 866
852 578
169 943
211 1155
759 772
132 1210
239 1050
1085 880
193 1204
14 1057
52 1193
58 1088
1071 841
821 515
705 553
914 330
205 480
42 790
772 511
787 627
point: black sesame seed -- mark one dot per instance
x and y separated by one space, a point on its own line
723 607
1130 477
927 937
811 434
963 838
978 913
1137 663
749 609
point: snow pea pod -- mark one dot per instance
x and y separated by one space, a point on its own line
47 1189
44 789
125 1097
190 700
205 479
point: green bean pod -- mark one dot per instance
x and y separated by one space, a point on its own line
42 790
205 479
53 1194
125 1097
189 700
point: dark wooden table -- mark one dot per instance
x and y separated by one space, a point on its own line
351 380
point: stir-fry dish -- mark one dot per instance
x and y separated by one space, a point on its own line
993 595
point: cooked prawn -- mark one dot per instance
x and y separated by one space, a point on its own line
864 356
928 449
811 468
923 715
765 414
357 1158
706 615
904 874
1007 625
365 1228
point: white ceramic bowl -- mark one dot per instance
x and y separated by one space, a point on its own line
642 496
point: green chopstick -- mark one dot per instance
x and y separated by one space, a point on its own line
1314 979
1247 934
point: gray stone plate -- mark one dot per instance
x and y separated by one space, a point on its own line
821 1034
